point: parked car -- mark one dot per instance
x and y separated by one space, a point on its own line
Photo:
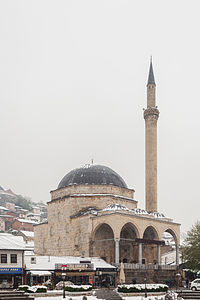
195 284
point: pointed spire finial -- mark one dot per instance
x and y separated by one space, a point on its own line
151 79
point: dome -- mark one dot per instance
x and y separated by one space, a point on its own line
92 174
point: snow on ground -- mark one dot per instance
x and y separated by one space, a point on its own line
94 298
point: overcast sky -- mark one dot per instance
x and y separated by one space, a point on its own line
73 80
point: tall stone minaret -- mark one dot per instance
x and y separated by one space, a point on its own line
151 114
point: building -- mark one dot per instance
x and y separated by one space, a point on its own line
6 222
11 260
27 235
23 224
79 270
94 213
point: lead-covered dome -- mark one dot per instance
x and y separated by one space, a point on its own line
92 174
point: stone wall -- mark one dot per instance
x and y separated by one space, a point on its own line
92 189
41 239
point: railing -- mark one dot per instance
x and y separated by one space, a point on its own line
146 266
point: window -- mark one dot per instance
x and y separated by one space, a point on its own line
4 258
33 260
13 258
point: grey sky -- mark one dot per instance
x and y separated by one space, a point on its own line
73 84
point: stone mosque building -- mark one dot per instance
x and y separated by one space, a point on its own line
93 212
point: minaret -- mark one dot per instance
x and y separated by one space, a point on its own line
151 114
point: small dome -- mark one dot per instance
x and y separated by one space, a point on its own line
92 174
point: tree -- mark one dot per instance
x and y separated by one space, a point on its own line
191 248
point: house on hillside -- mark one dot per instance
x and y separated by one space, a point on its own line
23 224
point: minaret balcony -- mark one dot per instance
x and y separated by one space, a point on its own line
151 113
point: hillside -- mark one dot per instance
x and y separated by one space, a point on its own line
9 196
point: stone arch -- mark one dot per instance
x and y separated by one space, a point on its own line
150 233
128 248
170 231
149 248
102 244
129 229
99 227
171 246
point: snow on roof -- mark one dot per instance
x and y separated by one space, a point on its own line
89 210
32 214
7 193
27 233
3 208
41 273
27 221
116 207
6 216
136 211
11 242
48 262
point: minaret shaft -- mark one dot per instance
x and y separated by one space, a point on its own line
151 115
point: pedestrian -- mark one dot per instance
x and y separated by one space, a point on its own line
134 280
167 281
187 283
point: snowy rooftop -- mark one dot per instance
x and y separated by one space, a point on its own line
119 208
3 208
27 233
27 221
11 242
48 262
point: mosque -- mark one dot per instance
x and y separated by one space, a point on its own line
93 213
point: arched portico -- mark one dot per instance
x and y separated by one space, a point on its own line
149 246
173 243
128 248
102 244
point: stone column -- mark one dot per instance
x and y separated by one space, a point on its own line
117 251
158 254
177 255
140 253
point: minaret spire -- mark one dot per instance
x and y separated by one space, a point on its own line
151 79
151 114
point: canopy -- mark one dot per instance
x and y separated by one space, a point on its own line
40 273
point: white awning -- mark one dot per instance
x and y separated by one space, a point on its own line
41 273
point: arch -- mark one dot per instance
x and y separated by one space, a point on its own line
170 231
127 248
129 231
150 233
171 246
103 232
102 244
98 227
150 249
